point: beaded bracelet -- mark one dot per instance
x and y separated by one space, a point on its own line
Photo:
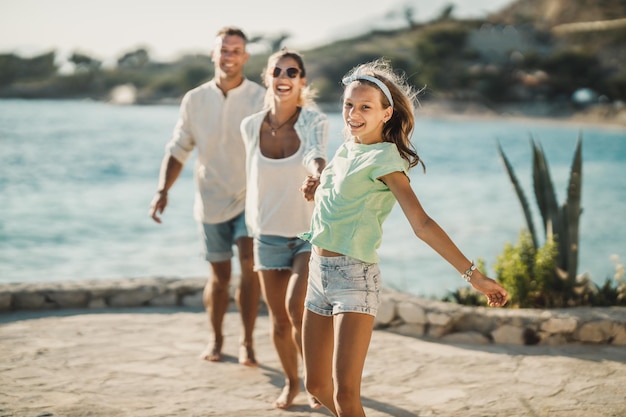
467 275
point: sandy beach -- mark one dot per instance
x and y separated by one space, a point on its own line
145 362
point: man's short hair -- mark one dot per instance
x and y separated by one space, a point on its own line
232 31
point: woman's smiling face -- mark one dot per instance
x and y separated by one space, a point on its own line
281 80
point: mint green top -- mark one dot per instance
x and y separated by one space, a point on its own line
351 203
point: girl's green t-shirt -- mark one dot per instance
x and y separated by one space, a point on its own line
351 203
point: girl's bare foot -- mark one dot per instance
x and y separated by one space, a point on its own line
285 399
246 355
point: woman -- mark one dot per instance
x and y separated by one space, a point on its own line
357 190
285 143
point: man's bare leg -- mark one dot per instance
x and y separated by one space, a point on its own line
247 298
216 299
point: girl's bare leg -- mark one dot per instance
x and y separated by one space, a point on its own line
353 332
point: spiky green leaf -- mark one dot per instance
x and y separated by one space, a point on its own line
520 195
573 211
544 191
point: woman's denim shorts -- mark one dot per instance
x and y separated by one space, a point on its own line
341 284
277 252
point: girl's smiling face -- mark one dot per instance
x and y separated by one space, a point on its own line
363 112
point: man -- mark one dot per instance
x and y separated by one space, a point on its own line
210 116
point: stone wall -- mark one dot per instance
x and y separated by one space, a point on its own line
399 312
455 323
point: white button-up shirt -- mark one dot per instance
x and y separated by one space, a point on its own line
210 122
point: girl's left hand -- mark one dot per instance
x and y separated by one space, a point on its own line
495 293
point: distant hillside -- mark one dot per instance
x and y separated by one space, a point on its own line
596 27
550 13
476 55
533 54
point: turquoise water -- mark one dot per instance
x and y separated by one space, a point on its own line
77 177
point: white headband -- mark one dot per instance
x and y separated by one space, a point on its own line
358 76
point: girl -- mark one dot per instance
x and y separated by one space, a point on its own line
284 143
356 192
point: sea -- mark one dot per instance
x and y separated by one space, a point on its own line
77 178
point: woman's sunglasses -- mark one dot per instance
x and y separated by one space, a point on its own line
292 72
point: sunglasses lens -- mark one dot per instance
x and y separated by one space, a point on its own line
292 72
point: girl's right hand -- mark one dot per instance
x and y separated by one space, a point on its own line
309 185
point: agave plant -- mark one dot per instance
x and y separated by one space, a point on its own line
560 224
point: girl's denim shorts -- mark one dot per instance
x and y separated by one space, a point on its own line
342 284
277 252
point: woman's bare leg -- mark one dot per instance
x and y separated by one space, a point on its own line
274 284
296 293
317 350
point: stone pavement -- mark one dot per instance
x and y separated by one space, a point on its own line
145 362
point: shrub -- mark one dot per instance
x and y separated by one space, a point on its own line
529 273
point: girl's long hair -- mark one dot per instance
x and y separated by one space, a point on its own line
399 127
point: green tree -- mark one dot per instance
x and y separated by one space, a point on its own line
570 70
135 59
438 51
14 68
84 63
9 68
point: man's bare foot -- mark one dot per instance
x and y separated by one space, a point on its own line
285 399
246 356
314 403
212 353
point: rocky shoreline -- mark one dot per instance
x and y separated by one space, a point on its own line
605 115
399 312
608 115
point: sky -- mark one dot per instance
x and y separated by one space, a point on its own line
106 30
